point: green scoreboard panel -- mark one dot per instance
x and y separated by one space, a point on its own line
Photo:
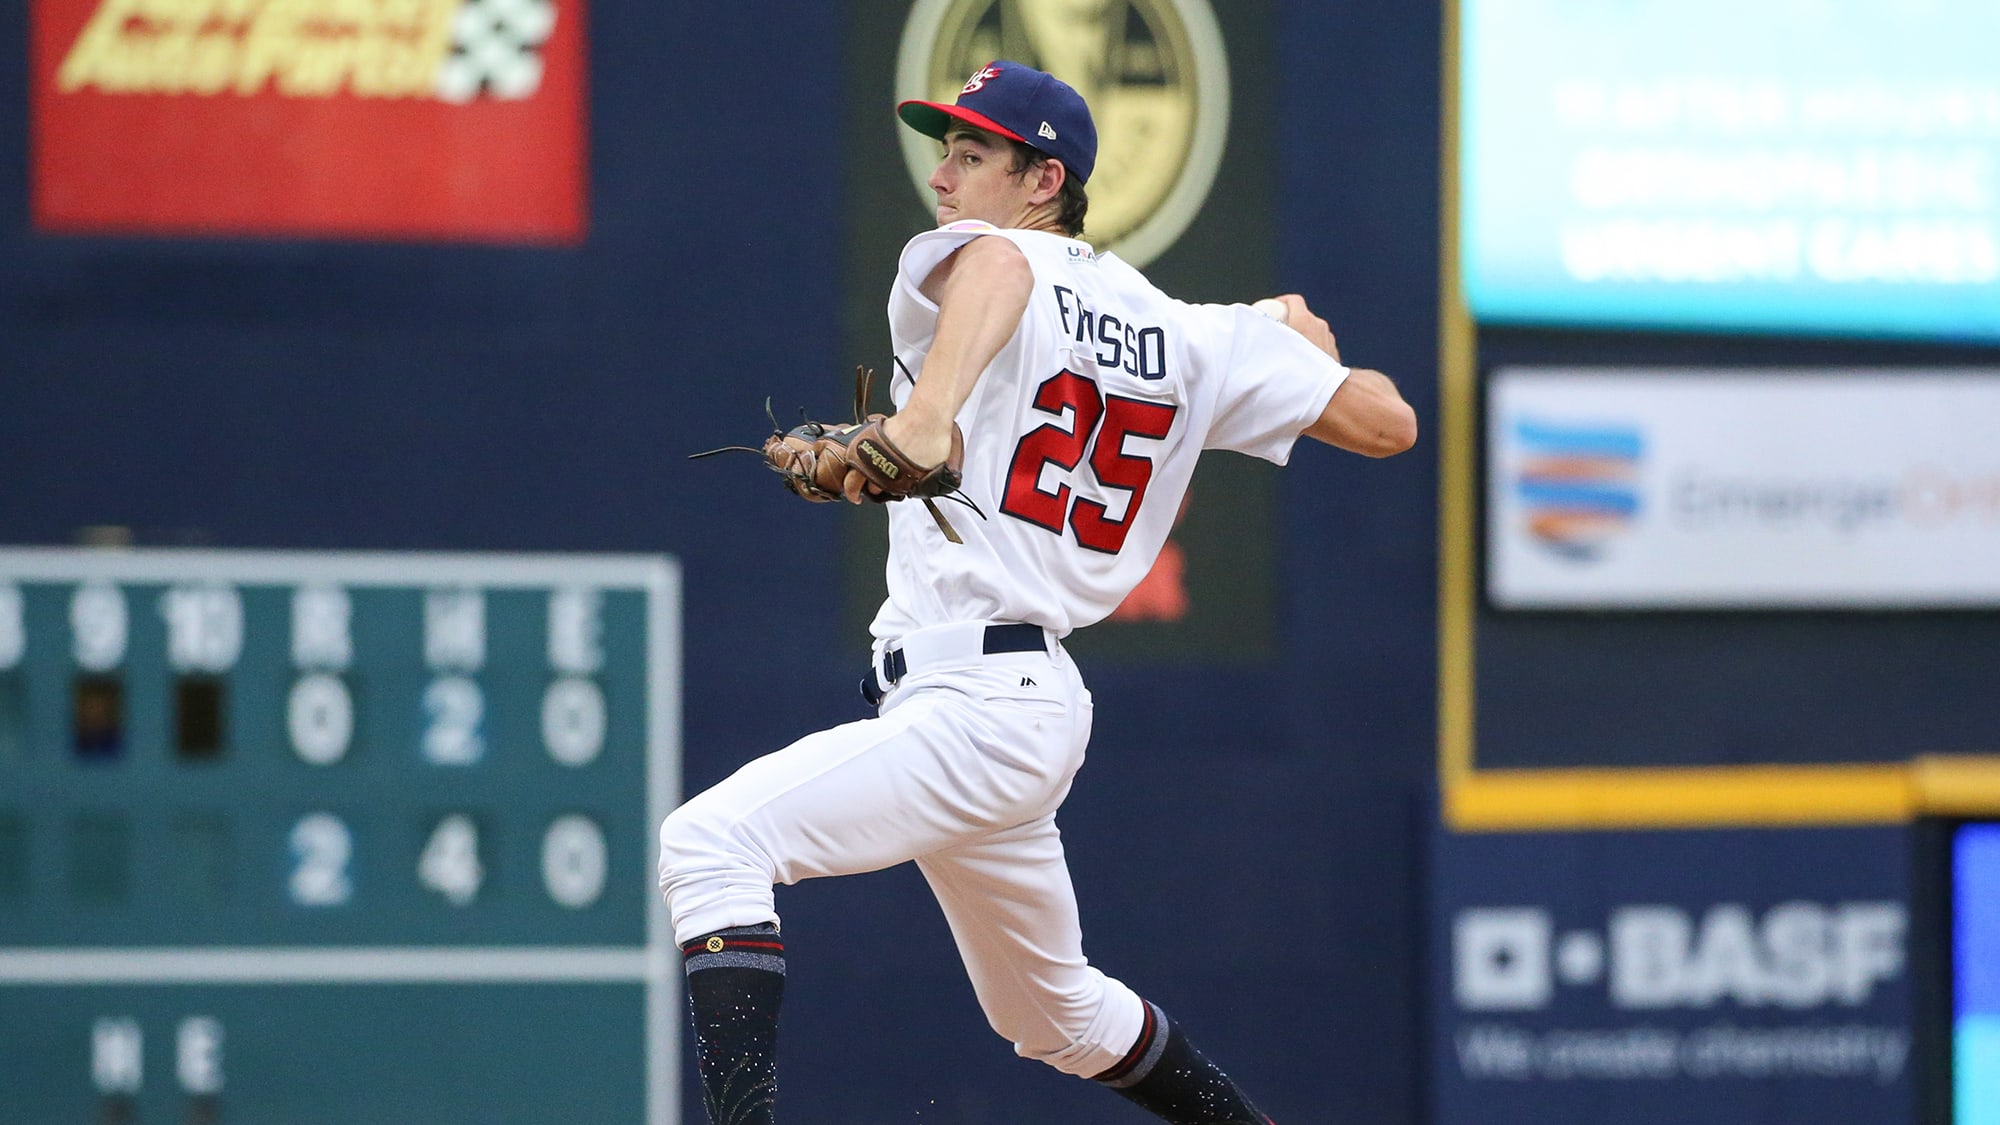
336 838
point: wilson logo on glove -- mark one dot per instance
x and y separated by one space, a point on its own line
881 460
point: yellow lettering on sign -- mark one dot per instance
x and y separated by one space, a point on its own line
432 43
211 64
270 42
169 59
299 48
192 13
90 58
371 64
319 67
400 49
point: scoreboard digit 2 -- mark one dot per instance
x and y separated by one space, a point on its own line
336 837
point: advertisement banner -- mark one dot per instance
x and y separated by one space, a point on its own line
1707 489
1727 977
1679 163
402 119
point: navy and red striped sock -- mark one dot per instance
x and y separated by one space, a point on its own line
735 983
1165 1075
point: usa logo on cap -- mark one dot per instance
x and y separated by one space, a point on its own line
979 78
1022 104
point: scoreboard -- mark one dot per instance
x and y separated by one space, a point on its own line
336 837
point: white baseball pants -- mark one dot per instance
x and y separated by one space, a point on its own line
962 772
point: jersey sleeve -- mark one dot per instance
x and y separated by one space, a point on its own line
912 315
1273 385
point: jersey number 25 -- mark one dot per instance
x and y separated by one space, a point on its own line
1111 419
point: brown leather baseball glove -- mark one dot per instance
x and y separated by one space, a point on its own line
857 461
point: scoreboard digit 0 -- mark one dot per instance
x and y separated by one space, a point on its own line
336 837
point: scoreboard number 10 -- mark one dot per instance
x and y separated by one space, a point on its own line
360 808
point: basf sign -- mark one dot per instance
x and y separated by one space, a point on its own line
1752 977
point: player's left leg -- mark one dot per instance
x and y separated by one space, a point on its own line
1165 1074
1012 911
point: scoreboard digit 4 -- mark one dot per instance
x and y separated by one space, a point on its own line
336 837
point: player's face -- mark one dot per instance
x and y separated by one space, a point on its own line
973 181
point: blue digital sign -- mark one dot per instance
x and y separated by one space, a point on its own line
1813 166
1976 975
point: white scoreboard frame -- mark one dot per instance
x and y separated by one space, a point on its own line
652 964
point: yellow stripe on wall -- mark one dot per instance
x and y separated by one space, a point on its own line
1708 797
1957 785
1714 797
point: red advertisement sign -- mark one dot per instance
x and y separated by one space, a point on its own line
398 119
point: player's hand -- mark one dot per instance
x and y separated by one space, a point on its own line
923 444
1301 319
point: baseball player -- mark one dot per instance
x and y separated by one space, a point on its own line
1066 399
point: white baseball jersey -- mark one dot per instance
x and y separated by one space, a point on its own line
1082 435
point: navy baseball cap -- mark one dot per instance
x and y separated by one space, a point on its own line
1020 103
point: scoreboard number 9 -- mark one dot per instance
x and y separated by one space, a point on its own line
326 837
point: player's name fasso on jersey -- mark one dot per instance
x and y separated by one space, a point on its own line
1138 350
297 48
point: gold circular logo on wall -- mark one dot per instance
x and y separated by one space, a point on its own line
1154 73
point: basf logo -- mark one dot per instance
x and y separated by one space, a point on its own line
1795 955
1656 972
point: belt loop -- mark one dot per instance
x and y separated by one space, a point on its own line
885 670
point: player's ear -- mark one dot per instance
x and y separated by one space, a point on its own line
1049 184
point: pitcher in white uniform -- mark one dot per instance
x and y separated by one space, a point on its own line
1085 396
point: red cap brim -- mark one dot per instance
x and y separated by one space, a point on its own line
933 119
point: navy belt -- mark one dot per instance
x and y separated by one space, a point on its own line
1018 636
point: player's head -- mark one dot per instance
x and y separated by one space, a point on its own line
1035 115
